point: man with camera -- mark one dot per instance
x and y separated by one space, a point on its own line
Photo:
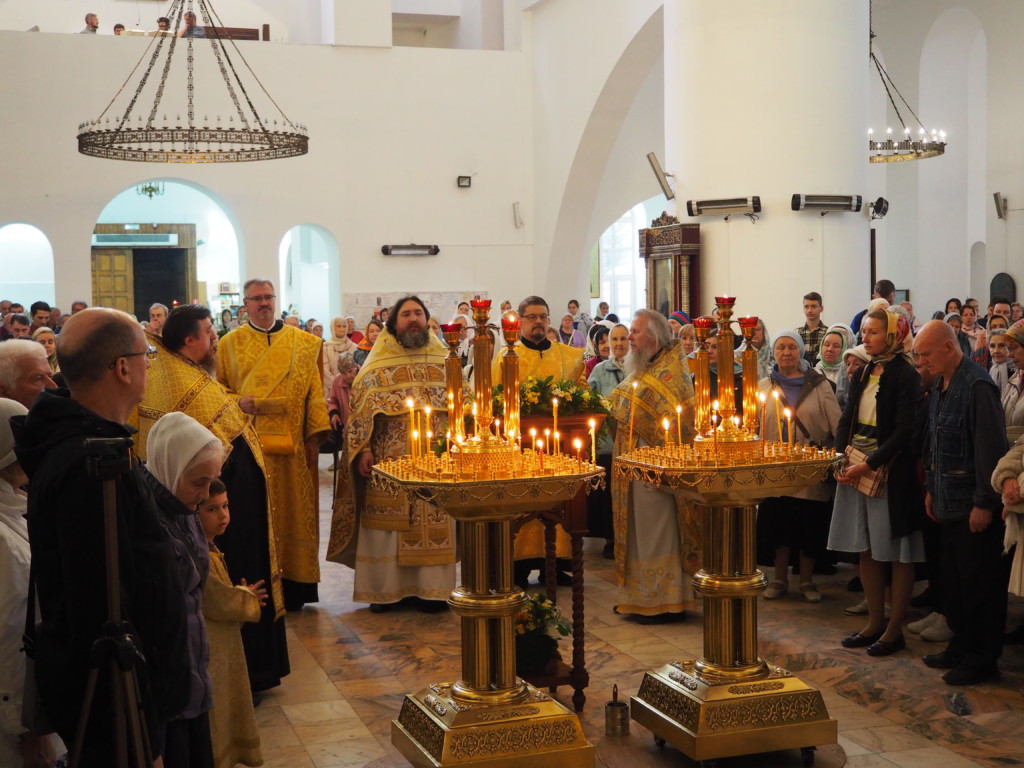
67 443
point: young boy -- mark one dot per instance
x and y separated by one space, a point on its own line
232 719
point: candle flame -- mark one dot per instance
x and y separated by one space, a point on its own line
664 423
539 445
578 443
547 433
592 423
761 397
533 432
714 405
427 411
635 383
679 409
409 403
787 412
775 394
554 401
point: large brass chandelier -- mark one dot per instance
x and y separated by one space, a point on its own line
903 146
126 130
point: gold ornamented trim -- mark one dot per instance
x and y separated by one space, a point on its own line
521 739
678 706
507 713
429 734
431 701
757 687
683 679
772 711
450 493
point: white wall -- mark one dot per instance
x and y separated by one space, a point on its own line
390 131
26 264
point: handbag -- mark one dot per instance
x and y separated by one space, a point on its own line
871 483
33 714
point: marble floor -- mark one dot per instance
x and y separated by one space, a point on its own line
350 669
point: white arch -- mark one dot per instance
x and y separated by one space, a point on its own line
26 263
604 125
221 258
309 273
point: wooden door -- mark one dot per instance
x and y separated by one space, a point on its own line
112 278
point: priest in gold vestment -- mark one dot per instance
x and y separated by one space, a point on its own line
657 536
540 358
276 372
180 379
399 549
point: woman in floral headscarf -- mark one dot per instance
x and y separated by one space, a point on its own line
833 347
880 420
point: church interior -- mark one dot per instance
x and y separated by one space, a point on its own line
549 108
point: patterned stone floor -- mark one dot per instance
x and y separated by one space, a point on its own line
351 669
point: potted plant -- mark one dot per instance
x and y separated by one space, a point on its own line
538 627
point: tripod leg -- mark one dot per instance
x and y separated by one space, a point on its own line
83 719
139 733
119 724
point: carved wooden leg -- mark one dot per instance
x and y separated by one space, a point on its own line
579 676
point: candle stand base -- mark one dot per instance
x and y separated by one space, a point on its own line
436 729
713 717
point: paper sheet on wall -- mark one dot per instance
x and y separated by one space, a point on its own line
442 304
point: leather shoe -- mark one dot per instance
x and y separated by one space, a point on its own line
946 659
883 648
857 640
971 675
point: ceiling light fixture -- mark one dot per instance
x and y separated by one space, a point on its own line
906 147
128 130
150 189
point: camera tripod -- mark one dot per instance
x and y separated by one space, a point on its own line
114 653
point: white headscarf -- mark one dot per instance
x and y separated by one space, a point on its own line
8 408
173 442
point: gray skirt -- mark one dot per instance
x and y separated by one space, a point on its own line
860 523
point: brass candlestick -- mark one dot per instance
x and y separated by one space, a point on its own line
702 375
748 325
483 349
453 382
510 327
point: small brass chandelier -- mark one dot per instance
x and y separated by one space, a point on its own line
150 189
126 130
906 147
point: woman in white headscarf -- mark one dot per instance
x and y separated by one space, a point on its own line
14 564
339 344
183 457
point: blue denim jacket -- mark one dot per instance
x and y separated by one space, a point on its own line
950 444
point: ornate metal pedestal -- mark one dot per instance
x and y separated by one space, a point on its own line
730 702
490 717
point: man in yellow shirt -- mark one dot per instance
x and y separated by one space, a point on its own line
276 372
540 357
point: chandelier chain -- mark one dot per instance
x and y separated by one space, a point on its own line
254 75
217 48
180 5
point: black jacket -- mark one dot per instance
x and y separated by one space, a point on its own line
898 417
65 522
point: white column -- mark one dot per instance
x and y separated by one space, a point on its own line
770 99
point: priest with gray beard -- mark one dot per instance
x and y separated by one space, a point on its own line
401 551
657 536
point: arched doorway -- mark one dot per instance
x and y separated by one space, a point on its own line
26 263
310 280
622 272
166 241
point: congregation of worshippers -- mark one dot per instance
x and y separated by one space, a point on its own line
229 415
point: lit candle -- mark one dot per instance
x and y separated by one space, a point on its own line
430 439
593 441
778 414
579 454
533 435
497 427
539 447
554 413
557 437
451 410
547 436
664 424
714 413
764 406
714 429
412 423
448 441
789 426
427 427
473 427
679 424
415 441
632 411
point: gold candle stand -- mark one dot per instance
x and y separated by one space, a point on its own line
489 717
730 701
747 327
453 379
